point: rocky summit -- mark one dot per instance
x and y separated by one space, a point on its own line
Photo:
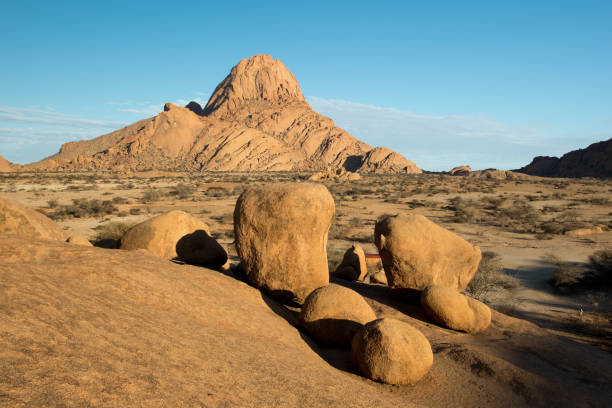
256 120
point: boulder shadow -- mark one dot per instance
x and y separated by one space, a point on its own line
337 357
407 303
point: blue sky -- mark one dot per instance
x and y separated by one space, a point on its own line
444 83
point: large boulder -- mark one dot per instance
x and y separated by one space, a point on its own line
281 237
199 248
353 266
392 351
160 234
454 310
333 314
16 218
417 253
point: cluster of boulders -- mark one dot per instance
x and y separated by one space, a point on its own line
335 174
281 238
176 234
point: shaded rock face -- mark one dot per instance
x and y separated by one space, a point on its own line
160 234
199 248
281 237
16 218
256 120
593 161
353 266
454 310
392 351
417 253
333 314
195 108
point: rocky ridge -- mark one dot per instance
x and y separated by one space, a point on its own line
593 161
256 120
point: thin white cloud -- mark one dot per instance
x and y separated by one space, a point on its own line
440 142
25 115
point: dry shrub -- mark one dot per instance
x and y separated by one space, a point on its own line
491 279
81 208
112 230
601 261
150 196
182 191
567 276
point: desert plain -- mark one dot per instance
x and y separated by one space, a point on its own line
99 326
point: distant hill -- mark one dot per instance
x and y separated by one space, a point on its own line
256 120
7 166
594 161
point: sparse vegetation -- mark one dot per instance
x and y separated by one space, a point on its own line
490 279
112 230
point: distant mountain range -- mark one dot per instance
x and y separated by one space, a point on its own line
256 120
594 161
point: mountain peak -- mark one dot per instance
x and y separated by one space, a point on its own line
259 79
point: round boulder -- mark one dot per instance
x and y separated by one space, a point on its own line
281 237
199 248
454 310
160 234
333 314
392 351
78 240
417 253
353 266
18 219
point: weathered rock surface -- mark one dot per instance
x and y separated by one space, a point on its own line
454 310
7 167
417 253
585 231
593 161
353 266
161 334
333 314
161 233
335 174
199 248
256 120
392 351
281 237
384 160
16 218
78 240
92 327
461 171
